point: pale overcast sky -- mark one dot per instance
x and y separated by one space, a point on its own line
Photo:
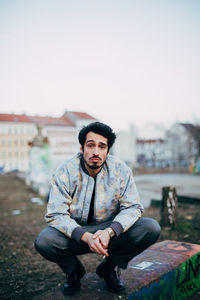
121 61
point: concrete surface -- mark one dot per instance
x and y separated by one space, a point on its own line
150 185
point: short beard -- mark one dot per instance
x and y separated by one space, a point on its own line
93 167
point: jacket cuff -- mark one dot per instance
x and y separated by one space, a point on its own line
77 233
117 227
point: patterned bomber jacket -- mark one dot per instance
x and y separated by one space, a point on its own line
116 196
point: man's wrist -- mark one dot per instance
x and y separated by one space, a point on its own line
85 236
110 232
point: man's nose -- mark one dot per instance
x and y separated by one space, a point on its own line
96 151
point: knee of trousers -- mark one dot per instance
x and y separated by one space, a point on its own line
50 239
152 229
148 230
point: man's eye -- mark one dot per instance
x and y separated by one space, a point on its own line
90 145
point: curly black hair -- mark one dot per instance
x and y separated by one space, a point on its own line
99 128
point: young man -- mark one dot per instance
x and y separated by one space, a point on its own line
94 206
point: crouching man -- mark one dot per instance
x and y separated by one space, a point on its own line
94 206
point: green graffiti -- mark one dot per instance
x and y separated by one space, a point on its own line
178 284
187 278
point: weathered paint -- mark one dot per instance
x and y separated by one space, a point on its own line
161 289
187 278
174 275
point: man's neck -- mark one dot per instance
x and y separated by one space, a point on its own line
92 172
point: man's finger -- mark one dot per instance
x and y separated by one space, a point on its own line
96 234
104 240
101 249
95 249
105 244
98 249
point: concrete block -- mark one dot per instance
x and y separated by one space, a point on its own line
167 270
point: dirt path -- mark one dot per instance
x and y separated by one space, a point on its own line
24 274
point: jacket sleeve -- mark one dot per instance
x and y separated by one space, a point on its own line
131 208
58 215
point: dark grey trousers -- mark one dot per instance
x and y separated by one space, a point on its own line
55 246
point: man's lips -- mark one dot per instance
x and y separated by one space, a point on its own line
95 158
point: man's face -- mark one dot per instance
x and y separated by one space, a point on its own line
95 150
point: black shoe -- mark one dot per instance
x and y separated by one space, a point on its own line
72 284
106 271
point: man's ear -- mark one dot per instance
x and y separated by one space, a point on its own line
81 149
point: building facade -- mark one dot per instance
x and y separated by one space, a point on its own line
18 131
183 144
125 146
151 153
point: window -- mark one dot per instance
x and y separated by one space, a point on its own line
5 130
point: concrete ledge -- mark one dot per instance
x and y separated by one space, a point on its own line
168 270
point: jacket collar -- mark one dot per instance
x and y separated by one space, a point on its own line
83 165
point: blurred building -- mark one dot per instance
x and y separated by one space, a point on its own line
150 145
183 144
151 152
151 131
178 149
79 119
125 146
61 134
17 131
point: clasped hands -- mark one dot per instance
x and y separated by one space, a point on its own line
97 242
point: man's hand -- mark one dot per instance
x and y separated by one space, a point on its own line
94 242
103 237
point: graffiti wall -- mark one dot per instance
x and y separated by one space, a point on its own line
40 169
174 275
187 278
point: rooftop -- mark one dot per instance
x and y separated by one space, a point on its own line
14 118
64 120
192 129
150 141
82 115
46 120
